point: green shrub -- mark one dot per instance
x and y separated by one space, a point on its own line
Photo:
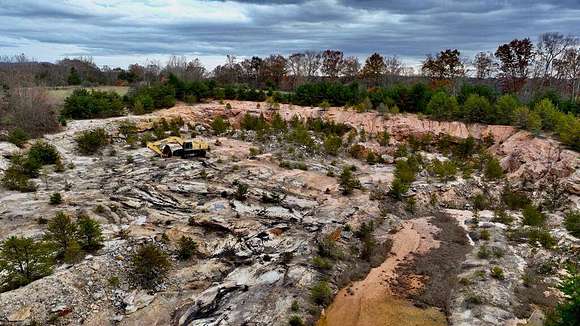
146 99
146 137
572 223
483 252
62 232
327 248
255 123
186 248
411 205
149 266
241 191
466 148
73 253
321 294
383 138
567 312
17 176
548 114
369 245
321 263
24 167
497 273
55 199
514 199
295 321
442 106
191 99
532 216
254 151
43 153
84 104
484 235
526 119
89 142
473 299
300 135
90 233
127 127
405 170
498 252
504 107
493 169
332 144
356 151
480 202
533 235
162 127
569 131
398 189
295 306
294 165
478 109
114 281
541 236
277 122
348 182
501 216
444 170
23 260
219 125
373 158
18 137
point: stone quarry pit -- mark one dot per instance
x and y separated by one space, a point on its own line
254 264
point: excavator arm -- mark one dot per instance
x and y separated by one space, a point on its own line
154 146
157 145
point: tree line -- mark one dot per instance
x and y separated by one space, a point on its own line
506 87
519 66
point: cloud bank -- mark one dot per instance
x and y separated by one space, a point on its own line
121 32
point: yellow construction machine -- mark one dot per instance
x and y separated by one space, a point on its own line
177 146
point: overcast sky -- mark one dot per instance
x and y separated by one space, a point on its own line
119 32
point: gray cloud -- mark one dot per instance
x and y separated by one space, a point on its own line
408 28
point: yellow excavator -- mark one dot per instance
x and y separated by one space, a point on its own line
177 146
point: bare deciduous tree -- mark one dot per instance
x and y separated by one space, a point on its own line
152 71
195 70
484 64
29 109
274 69
350 68
549 48
332 63
393 68
445 65
252 70
568 70
176 65
312 61
296 67
230 72
515 60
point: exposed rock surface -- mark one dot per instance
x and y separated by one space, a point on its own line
522 154
254 255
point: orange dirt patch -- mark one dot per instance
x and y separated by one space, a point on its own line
370 302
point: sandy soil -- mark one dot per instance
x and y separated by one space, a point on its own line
370 302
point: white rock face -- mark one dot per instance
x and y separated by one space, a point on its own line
254 256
